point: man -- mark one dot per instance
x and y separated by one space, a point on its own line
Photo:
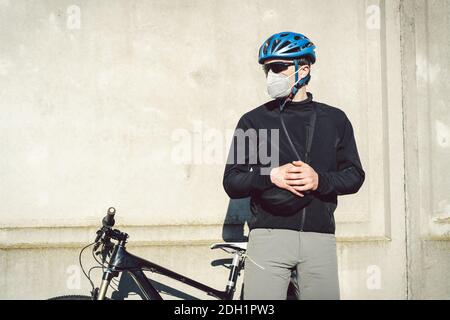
293 201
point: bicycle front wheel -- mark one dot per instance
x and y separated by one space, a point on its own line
73 297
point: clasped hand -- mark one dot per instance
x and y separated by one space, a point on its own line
297 177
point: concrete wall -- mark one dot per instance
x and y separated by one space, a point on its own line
426 95
132 104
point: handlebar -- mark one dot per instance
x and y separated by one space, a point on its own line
106 232
108 221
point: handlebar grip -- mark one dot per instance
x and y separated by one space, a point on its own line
111 211
108 220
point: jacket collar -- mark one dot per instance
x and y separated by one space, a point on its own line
307 100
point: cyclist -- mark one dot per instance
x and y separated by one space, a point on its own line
293 201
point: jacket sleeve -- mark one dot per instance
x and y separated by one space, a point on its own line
242 174
350 175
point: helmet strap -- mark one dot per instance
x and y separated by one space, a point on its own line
300 83
296 87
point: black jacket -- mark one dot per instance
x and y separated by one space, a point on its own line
333 155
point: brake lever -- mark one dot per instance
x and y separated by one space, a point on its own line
97 244
99 235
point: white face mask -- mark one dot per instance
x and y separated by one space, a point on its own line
279 85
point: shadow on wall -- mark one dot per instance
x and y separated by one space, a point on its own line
238 213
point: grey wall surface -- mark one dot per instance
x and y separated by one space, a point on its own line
426 96
132 104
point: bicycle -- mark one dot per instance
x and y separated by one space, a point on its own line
118 259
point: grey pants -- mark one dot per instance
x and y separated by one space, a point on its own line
272 254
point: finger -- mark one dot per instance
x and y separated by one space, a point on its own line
299 182
303 187
294 182
297 176
298 170
300 163
301 179
292 176
294 169
291 189
306 179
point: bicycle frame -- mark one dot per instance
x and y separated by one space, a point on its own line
121 261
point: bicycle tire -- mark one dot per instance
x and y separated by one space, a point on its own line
73 297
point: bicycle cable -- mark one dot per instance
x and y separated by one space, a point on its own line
81 265
114 284
100 263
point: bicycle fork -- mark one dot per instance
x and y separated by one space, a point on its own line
106 280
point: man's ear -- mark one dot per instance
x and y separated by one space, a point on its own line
305 70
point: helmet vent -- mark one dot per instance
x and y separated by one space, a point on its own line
293 50
284 44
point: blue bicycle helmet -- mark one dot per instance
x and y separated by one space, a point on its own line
287 45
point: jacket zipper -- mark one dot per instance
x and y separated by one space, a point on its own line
296 153
307 161
303 219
